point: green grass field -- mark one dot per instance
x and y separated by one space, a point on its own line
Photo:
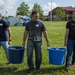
56 32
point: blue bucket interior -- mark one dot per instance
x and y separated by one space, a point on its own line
57 49
16 48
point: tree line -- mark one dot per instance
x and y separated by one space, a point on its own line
23 9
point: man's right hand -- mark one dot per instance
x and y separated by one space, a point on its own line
23 44
48 45
9 42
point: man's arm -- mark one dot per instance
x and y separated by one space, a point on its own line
46 37
9 34
24 37
66 37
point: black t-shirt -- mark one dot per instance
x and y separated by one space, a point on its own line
71 26
35 28
3 31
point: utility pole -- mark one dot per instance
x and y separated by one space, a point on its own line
51 12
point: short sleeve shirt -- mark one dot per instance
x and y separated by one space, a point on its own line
35 28
71 26
3 32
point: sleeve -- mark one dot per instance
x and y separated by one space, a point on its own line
6 25
68 25
27 27
43 27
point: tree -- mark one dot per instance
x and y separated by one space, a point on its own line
23 9
38 8
60 13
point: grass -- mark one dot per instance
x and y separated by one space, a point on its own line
56 32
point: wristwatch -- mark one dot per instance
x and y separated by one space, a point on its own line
9 40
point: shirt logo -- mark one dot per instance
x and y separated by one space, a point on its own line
37 25
1 24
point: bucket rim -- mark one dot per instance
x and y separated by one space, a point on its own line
16 48
57 48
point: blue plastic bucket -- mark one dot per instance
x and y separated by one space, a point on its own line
16 54
57 55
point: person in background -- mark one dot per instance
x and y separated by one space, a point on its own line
70 41
34 29
5 35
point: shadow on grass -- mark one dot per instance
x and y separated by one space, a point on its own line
51 70
42 71
7 70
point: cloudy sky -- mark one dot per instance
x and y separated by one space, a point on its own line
8 7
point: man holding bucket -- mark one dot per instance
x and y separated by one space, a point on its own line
70 40
5 33
34 28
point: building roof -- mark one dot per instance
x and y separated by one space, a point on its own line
69 8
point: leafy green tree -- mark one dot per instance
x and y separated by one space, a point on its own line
60 13
38 8
23 9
